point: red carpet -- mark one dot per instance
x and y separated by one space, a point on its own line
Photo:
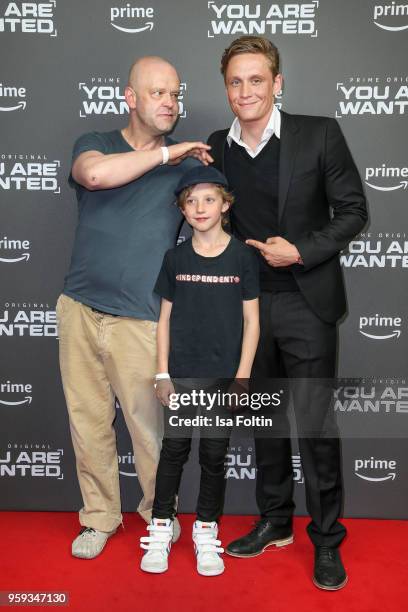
35 556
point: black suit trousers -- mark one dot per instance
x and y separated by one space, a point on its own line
297 344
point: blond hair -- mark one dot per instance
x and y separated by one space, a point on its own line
252 44
226 197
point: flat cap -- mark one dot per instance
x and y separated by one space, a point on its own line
201 174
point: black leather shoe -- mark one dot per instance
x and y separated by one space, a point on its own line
263 535
329 572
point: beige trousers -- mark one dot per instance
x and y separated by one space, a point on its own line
102 356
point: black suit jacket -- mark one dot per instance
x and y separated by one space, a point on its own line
321 204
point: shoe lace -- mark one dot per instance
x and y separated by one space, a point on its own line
258 526
159 538
326 555
87 531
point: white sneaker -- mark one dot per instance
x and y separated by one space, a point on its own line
90 542
157 546
207 549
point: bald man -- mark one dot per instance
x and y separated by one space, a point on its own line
107 313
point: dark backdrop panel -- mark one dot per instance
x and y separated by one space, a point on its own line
66 68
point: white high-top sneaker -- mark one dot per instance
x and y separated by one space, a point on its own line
157 546
207 548
90 542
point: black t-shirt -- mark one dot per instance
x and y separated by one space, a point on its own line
207 313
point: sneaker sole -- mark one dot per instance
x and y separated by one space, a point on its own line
154 570
330 588
210 572
81 556
277 543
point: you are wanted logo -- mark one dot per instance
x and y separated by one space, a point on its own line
19 319
132 19
375 470
386 178
31 460
15 394
372 96
263 19
28 17
391 16
371 396
14 251
380 327
381 250
297 469
12 98
240 465
29 172
104 95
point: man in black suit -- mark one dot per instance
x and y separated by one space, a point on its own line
299 202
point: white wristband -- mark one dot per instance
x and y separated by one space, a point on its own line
162 376
166 155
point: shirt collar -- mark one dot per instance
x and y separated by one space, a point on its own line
273 127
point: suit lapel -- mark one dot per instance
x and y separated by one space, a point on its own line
221 150
224 144
289 142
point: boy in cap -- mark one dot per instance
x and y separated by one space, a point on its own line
208 328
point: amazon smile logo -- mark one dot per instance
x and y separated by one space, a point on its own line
8 250
11 98
391 16
386 178
127 465
380 327
383 469
132 19
8 389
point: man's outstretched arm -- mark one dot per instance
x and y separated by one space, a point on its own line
95 170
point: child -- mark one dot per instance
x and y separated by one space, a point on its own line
208 328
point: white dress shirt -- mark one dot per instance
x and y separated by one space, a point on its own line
273 127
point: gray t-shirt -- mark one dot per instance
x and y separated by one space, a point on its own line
123 234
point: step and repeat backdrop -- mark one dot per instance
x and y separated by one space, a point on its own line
64 67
